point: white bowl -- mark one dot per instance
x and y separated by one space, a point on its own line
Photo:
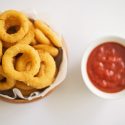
86 79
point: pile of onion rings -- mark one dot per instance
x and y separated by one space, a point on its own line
28 52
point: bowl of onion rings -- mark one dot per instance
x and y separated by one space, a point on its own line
33 58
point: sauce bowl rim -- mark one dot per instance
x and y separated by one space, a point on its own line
84 73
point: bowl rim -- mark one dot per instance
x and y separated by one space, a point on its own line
84 73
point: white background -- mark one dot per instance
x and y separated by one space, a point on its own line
81 22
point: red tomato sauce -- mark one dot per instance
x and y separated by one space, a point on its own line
106 67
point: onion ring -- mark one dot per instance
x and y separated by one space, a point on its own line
8 84
8 65
48 32
29 37
47 77
12 25
22 64
34 42
40 37
50 49
46 73
22 22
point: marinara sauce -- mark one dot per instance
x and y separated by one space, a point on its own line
106 67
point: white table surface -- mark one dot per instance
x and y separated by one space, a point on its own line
81 22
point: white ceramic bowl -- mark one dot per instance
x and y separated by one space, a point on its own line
86 79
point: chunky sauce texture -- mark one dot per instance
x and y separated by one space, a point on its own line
106 67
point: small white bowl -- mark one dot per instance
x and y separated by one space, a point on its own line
86 79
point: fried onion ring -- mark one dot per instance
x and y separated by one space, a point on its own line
48 32
29 37
47 77
46 74
22 64
40 37
22 22
8 83
50 49
8 65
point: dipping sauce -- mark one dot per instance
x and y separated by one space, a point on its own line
106 67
